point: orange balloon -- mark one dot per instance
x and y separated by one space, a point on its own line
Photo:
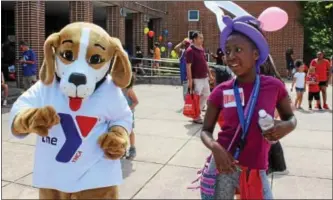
160 38
151 34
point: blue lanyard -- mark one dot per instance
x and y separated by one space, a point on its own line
245 120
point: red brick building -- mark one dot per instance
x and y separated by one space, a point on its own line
33 21
290 36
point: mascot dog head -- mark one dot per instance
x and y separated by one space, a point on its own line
80 55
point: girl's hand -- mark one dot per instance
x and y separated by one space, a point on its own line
225 163
278 131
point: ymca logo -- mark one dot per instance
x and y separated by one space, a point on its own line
74 136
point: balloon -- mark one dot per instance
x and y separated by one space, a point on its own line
173 54
151 34
162 49
169 45
215 7
166 32
273 19
160 38
146 30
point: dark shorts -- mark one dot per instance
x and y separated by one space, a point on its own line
314 95
299 89
323 83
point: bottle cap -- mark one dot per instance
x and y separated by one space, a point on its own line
262 113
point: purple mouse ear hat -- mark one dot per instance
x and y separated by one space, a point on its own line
241 25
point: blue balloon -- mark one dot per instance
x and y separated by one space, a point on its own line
166 32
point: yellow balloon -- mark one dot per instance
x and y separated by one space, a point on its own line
146 30
162 49
173 54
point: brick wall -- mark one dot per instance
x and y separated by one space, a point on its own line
115 23
29 27
138 36
80 11
290 36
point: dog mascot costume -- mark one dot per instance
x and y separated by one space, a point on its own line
79 113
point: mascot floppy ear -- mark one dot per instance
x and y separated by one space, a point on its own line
121 71
47 70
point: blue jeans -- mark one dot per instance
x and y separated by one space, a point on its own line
185 89
226 183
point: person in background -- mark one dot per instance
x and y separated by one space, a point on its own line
181 49
300 80
4 88
322 66
157 56
198 73
138 62
290 62
314 90
218 56
132 101
29 65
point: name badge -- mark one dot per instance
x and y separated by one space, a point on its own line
229 99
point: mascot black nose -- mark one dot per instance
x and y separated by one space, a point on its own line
77 79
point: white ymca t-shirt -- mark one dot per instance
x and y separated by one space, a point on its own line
300 79
76 162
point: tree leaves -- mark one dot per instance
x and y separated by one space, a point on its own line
317 19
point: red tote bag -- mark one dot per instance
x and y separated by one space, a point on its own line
192 106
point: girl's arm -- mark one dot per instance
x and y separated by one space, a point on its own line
210 120
131 94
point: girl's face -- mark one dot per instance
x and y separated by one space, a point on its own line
241 54
301 68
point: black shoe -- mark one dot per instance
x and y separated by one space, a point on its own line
131 153
319 107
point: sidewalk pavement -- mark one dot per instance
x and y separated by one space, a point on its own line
169 153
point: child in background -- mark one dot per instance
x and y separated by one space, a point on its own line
314 89
132 103
299 81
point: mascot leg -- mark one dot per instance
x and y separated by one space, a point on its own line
99 193
52 194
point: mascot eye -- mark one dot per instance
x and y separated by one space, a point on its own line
96 59
68 55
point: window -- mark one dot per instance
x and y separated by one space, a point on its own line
193 15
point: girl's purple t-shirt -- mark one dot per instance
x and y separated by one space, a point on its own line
255 153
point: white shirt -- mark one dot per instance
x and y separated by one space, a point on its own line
76 166
300 79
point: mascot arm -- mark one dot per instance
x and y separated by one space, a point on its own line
115 142
28 116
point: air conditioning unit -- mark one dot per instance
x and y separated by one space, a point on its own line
146 18
123 12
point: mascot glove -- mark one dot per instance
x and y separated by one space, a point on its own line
35 120
114 143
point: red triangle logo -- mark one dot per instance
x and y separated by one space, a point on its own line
85 124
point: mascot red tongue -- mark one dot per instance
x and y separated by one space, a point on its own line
75 103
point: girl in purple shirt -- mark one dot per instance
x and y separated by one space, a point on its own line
245 49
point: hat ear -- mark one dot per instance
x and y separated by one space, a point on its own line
47 70
121 71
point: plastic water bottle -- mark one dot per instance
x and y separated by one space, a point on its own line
266 122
